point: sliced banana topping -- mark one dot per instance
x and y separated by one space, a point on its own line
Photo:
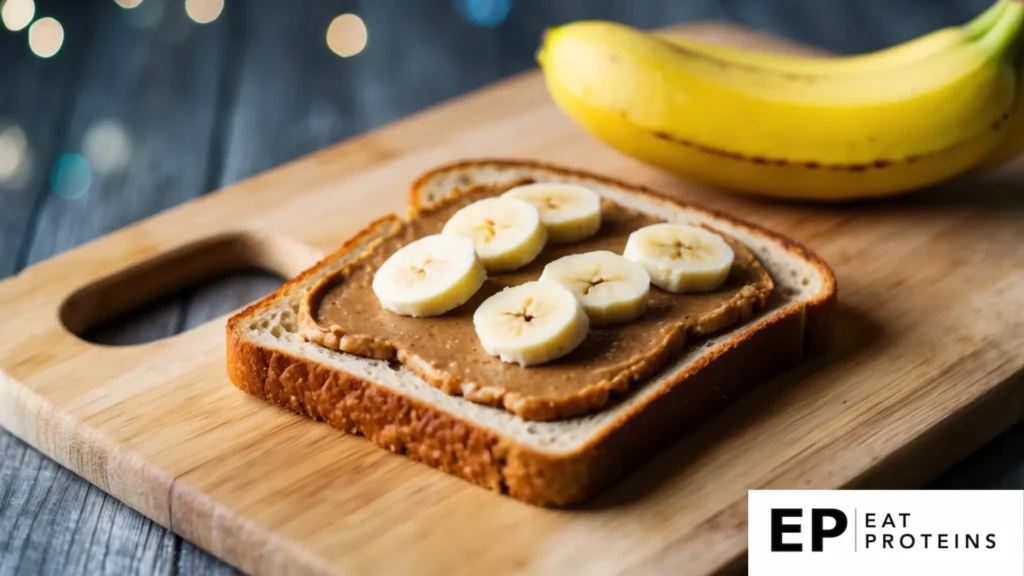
506 232
429 276
570 213
531 323
681 258
612 289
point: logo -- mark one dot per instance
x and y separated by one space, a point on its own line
818 530
885 532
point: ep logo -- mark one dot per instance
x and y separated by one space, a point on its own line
823 523
882 532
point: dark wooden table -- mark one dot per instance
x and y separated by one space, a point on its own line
164 110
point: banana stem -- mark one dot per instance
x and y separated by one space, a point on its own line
1004 35
984 22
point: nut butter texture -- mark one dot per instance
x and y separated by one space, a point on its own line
342 313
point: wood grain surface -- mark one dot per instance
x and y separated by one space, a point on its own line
46 512
922 373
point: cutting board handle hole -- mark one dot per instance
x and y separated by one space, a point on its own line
243 266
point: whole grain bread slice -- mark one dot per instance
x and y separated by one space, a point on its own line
554 463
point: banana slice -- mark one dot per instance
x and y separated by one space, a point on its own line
429 276
681 258
506 232
612 289
570 213
531 323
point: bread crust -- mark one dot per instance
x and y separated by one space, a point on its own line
406 425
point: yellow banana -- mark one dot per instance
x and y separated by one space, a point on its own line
908 52
1012 144
827 136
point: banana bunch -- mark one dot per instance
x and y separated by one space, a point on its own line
540 321
877 124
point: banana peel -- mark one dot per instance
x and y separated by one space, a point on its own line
779 125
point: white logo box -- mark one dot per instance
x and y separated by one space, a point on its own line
881 532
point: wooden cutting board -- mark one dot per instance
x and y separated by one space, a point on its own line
926 368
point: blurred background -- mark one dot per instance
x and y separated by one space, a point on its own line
113 110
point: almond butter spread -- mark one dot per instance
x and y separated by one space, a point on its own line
342 313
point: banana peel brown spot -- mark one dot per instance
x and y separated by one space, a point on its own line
1000 121
880 164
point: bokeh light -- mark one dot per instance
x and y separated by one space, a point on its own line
128 3
347 35
15 158
107 146
45 37
17 14
12 147
486 13
204 11
70 177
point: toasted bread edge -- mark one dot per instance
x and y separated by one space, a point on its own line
424 433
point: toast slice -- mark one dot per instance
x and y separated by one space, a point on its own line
550 463
342 313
